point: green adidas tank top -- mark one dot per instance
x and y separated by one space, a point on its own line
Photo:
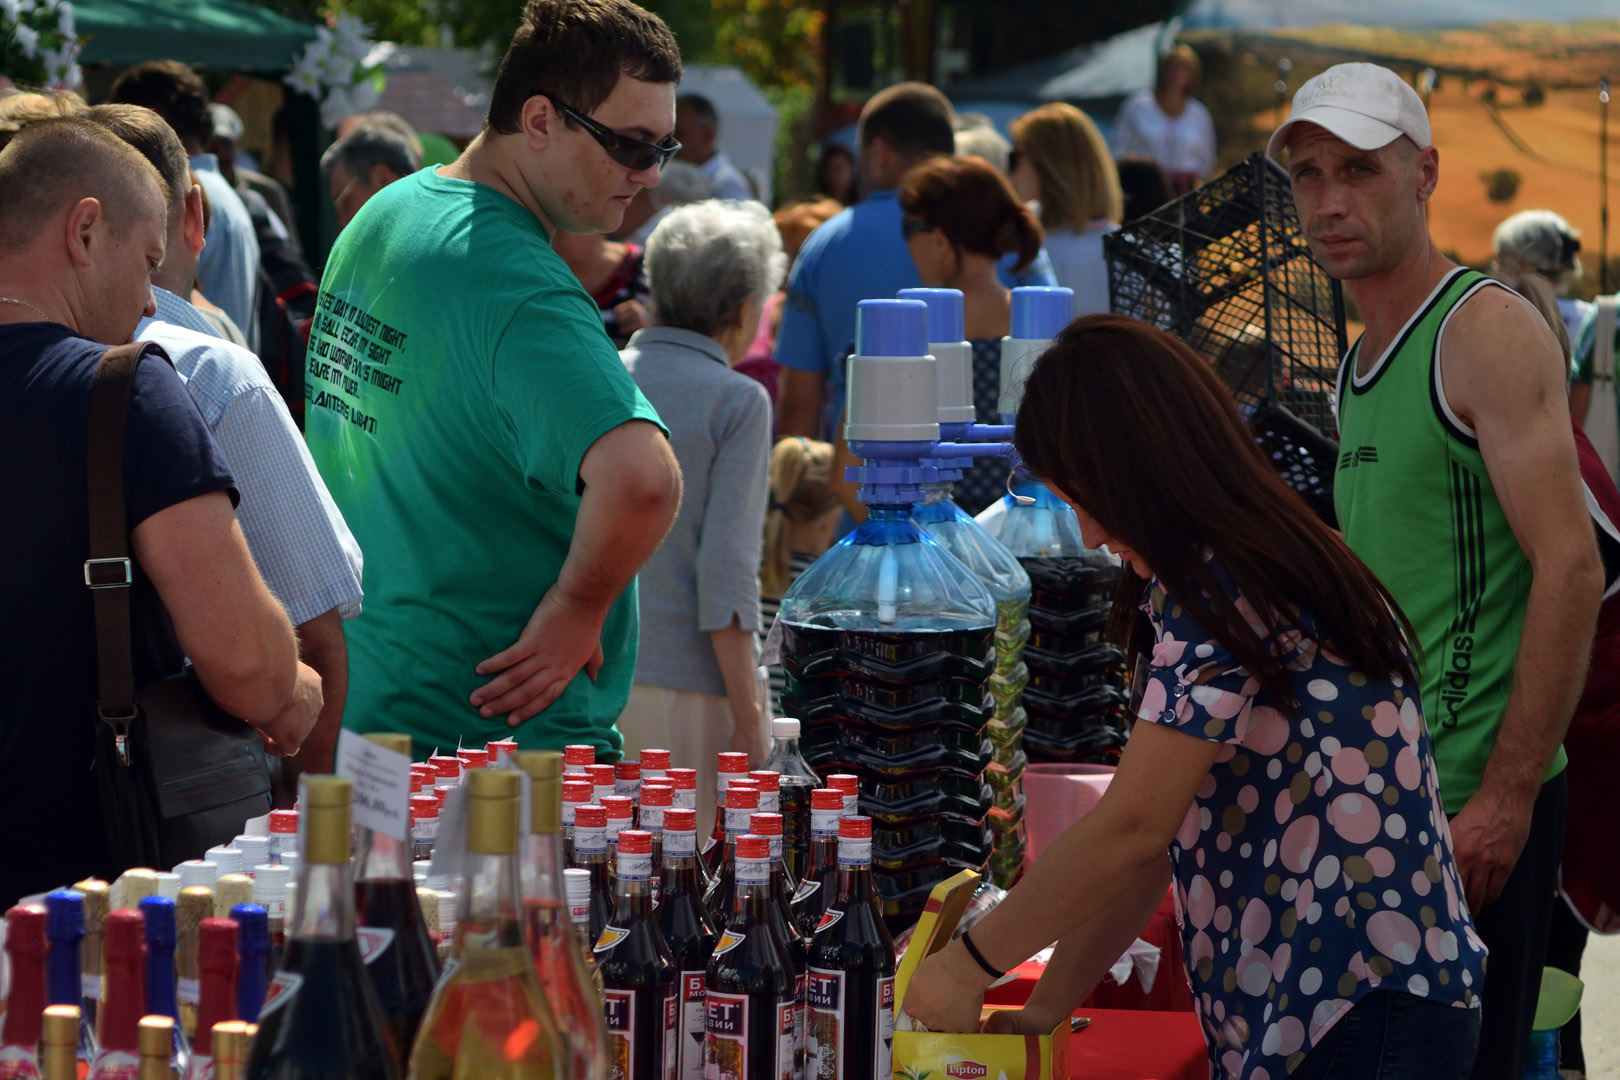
1416 504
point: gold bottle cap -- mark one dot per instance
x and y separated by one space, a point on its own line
95 903
388 740
545 789
325 803
132 887
428 901
192 906
492 811
61 1025
230 1049
156 1037
230 890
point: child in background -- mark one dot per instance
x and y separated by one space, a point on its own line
798 527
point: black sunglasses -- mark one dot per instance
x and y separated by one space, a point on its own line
910 226
633 154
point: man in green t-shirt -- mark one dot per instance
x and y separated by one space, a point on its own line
500 469
1458 485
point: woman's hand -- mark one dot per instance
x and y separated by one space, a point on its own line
947 991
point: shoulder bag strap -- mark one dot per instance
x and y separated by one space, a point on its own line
108 572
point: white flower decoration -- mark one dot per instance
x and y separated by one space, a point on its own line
27 39
334 69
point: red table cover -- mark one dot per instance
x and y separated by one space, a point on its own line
1138 1044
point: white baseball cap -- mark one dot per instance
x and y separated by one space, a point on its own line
1366 105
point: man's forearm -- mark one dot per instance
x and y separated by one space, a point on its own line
323 647
1549 674
619 525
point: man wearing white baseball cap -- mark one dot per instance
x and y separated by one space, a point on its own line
1459 486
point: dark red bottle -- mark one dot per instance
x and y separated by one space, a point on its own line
819 886
742 801
216 990
123 997
689 932
639 989
25 1007
750 1001
851 989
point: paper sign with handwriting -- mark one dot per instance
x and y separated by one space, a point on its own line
382 785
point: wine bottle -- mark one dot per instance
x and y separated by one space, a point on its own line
25 1007
782 890
64 930
603 785
654 764
131 887
321 1018
59 1058
253 972
577 894
621 815
230 1041
575 793
158 913
656 797
797 781
473 758
230 891
402 961
819 887
424 826
94 891
638 973
689 933
123 996
850 785
729 766
155 1036
590 854
217 962
574 998
749 1000
195 905
741 801
770 789
488 1017
627 780
578 757
684 781
851 989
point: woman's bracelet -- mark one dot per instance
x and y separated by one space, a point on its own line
979 959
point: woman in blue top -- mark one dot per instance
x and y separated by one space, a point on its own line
1282 756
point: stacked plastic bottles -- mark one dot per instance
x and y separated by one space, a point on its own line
888 640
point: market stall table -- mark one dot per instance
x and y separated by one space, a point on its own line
1136 1044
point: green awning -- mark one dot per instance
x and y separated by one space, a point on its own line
226 35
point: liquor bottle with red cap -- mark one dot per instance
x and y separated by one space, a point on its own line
638 973
656 797
424 826
654 764
851 990
472 758
448 768
322 1016
770 789
797 781
25 1006
819 887
685 783
603 786
627 780
782 889
64 929
730 766
283 834
850 785
590 854
400 957
560 963
688 931
575 793
577 757
123 996
216 996
749 1002
621 815
741 801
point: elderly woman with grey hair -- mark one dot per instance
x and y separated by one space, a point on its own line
710 267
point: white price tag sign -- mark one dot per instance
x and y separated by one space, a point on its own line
382 784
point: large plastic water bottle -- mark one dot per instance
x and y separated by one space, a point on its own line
1075 698
995 566
888 640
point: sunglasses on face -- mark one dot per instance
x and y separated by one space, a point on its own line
634 154
910 227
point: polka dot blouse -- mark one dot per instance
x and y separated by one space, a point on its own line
1315 864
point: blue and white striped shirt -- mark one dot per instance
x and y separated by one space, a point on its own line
228 269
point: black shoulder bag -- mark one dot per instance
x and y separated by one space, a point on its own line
175 773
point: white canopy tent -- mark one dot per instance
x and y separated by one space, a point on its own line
747 120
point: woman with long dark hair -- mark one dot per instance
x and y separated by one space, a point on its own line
1280 753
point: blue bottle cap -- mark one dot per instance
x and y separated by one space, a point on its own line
64 915
253 929
891 328
945 319
1039 312
159 913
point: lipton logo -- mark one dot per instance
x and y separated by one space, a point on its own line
966 1070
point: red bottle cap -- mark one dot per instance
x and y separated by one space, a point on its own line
284 821
499 749
578 756
619 808
635 842
655 759
750 846
216 945
124 933
25 931
601 775
826 798
680 819
683 779
733 763
577 791
742 798
475 759
627 770
590 816
765 824
418 782
855 828
448 768
769 779
438 797
657 795
848 784
744 782
424 807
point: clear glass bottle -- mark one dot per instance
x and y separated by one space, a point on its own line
323 1018
488 1017
25 1005
638 973
577 891
852 964
797 781
155 1036
689 932
574 998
